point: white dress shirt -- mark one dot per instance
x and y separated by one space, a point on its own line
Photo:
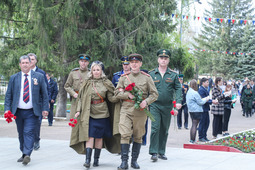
22 104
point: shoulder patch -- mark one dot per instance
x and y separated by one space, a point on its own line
145 73
173 71
75 69
117 73
152 70
126 74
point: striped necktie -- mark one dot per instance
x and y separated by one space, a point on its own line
26 90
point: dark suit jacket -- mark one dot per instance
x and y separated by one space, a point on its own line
45 78
184 93
39 93
53 90
203 92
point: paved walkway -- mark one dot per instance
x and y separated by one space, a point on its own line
55 153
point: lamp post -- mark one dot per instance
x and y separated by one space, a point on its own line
198 1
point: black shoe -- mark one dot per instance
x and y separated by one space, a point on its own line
225 134
207 139
162 156
21 158
36 145
96 157
26 160
186 128
154 157
88 157
179 127
50 124
202 140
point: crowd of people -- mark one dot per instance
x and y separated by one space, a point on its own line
109 114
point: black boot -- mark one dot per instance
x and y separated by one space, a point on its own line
135 153
88 157
96 157
124 157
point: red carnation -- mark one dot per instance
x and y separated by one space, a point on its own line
174 105
133 84
174 102
71 119
75 121
172 112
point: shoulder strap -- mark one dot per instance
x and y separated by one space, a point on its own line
97 92
128 79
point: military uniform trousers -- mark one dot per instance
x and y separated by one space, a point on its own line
159 128
132 122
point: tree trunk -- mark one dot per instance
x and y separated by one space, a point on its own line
62 98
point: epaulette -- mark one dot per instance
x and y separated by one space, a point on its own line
117 73
152 70
145 73
75 69
126 74
173 71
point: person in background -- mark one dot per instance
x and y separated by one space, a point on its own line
27 98
227 109
34 67
247 99
53 92
194 103
125 69
205 118
243 87
217 109
94 116
184 107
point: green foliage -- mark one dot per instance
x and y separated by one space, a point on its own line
224 37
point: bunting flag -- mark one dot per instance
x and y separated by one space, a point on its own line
223 52
219 20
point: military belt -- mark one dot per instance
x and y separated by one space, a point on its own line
128 100
97 101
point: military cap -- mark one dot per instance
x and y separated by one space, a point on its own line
135 56
181 76
124 60
84 57
163 53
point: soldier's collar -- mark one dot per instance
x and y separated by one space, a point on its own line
167 70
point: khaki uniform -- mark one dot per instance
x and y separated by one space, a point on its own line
73 84
132 121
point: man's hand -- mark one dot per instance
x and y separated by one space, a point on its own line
75 95
131 96
6 111
143 104
215 101
52 101
178 106
45 113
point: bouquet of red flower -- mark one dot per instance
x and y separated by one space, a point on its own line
173 114
138 99
9 116
73 122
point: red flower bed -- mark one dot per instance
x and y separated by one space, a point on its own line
243 142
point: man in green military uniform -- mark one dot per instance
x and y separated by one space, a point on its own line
167 84
75 80
132 121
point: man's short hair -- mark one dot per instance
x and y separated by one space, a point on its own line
24 57
203 80
32 54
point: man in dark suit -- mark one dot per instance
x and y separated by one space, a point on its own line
184 107
205 119
33 67
53 92
27 99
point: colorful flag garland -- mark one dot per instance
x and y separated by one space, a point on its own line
223 52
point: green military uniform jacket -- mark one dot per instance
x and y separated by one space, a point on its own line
247 98
73 84
80 133
168 87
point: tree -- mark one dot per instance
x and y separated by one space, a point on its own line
57 31
224 37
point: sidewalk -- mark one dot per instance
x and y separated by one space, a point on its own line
57 155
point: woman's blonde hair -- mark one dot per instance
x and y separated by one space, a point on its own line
97 63
193 84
